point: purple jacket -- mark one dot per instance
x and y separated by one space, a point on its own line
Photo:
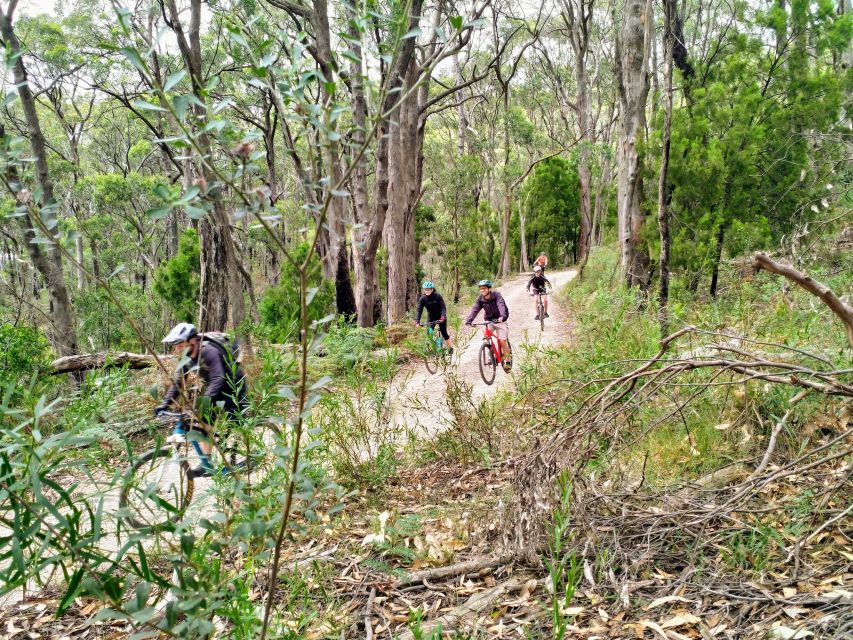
494 309
221 382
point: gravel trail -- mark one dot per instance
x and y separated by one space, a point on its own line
419 396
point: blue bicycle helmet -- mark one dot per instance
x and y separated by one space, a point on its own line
485 283
427 285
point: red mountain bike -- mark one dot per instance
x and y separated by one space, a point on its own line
490 352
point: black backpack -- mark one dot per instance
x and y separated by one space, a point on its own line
229 348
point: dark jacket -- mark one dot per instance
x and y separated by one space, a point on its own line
494 309
434 305
538 283
223 382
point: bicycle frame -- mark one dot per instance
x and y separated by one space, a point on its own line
180 435
489 335
435 334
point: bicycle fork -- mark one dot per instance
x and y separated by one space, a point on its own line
178 436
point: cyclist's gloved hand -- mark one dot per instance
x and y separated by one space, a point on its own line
442 319
501 319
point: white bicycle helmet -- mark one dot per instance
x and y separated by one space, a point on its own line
181 333
537 269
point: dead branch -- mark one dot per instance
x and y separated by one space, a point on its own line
827 296
451 571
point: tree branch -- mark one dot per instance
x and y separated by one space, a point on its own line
827 296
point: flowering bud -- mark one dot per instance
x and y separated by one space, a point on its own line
24 196
243 150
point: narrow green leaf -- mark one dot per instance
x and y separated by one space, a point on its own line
196 213
147 106
157 213
414 33
133 56
71 591
174 79
321 383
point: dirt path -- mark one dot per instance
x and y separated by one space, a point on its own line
420 396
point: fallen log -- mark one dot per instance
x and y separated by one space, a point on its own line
87 361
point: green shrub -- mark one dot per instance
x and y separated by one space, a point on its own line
177 280
104 326
23 352
279 305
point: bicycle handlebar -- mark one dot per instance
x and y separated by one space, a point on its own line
171 414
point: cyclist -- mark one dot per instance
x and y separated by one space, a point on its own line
223 378
495 311
541 261
539 282
432 301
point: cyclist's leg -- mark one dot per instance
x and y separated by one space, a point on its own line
535 307
545 302
442 326
502 334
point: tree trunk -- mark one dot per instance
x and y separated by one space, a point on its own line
221 290
633 45
48 262
506 212
374 222
524 261
664 194
395 239
718 255
78 252
344 296
584 174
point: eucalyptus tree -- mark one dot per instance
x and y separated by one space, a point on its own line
38 209
633 46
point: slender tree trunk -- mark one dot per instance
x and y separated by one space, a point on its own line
584 174
47 262
81 274
506 211
633 45
718 255
663 186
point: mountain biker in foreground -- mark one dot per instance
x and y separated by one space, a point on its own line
224 381
494 310
541 261
539 282
432 301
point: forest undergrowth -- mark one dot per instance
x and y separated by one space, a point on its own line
589 500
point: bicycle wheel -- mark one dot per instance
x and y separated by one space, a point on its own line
431 357
157 490
251 453
541 308
487 363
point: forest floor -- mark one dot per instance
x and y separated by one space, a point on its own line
424 544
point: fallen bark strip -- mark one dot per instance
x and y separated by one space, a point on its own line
453 570
827 295
477 604
86 361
